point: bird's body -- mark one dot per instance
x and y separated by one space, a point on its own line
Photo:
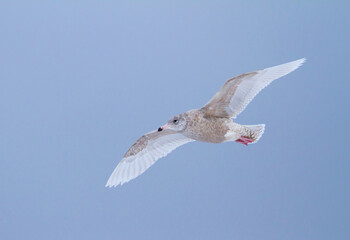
212 123
206 129
211 129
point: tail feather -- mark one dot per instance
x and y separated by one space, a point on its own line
253 132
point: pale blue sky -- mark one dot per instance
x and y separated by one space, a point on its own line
81 81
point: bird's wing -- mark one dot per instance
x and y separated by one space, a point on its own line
237 92
145 152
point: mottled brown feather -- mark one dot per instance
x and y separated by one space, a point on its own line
142 142
217 106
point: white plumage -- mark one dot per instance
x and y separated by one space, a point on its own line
239 91
134 165
211 123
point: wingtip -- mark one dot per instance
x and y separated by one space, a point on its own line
288 67
108 185
112 183
300 62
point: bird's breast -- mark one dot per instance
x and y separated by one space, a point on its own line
205 129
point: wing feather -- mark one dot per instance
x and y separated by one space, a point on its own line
239 91
144 153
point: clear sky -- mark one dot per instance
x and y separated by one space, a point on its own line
82 80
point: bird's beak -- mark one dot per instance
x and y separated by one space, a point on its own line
162 128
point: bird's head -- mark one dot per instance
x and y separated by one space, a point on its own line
176 123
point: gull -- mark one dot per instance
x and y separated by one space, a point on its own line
212 123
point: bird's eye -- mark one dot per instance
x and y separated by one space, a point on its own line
175 121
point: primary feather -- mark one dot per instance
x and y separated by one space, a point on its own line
211 123
144 153
239 91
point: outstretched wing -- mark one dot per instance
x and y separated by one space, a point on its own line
144 153
237 92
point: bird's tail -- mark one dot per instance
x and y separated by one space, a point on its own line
253 132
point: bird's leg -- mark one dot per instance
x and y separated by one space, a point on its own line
244 140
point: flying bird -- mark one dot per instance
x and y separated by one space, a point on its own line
212 123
